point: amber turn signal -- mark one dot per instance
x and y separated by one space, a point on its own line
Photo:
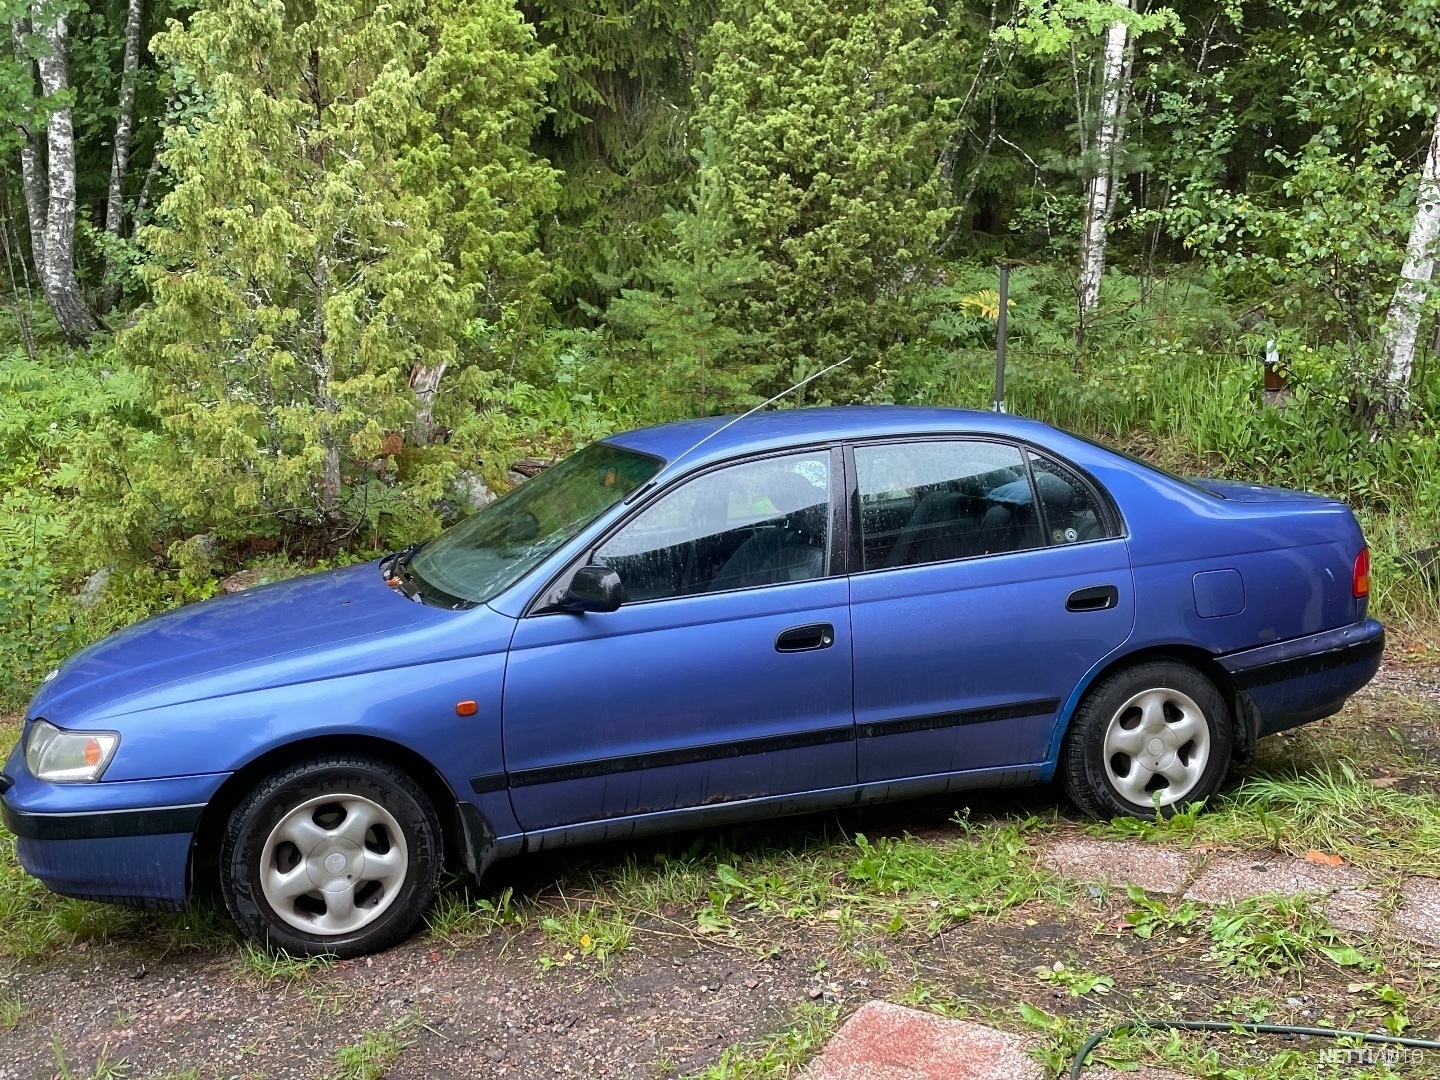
466 708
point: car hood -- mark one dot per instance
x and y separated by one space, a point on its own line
246 629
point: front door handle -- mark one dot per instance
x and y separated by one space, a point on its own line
1095 598
820 635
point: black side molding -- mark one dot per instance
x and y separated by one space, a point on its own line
692 755
934 721
488 782
688 755
150 821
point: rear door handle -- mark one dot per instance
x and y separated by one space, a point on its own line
1095 598
820 635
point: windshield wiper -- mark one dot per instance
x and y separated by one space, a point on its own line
394 568
396 560
397 573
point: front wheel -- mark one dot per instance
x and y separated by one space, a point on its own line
335 854
1148 740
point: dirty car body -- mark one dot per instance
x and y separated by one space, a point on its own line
816 608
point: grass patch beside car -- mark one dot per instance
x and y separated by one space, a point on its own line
780 1054
372 1056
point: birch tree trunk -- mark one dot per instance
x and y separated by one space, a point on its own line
124 128
1109 144
425 381
1402 324
57 271
32 168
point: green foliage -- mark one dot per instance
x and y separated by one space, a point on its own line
376 252
372 1056
12 1011
683 340
583 931
457 917
1150 917
780 1054
1074 982
830 120
621 102
351 223
1268 935
276 965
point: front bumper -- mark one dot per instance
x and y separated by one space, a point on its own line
1294 682
125 842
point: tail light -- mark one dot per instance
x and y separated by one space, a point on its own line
1360 583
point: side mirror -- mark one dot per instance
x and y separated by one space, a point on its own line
594 588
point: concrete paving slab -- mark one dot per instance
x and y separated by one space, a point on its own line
1348 904
890 1042
1120 863
1417 918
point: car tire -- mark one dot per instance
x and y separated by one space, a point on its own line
334 855
1159 730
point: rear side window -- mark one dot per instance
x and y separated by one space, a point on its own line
932 501
1072 512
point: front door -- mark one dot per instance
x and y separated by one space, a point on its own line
979 608
725 675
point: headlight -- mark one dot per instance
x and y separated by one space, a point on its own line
52 754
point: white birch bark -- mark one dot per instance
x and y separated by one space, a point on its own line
425 381
124 120
1402 324
1109 142
32 168
57 274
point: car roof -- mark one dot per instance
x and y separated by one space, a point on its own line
785 427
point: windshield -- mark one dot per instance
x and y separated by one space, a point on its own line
491 550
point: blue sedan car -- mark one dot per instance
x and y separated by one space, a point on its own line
691 625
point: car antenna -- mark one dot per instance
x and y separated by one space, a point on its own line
768 401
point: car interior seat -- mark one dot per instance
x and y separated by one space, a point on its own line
786 548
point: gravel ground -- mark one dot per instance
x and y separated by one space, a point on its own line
667 1004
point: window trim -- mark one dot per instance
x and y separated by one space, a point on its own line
1114 521
543 601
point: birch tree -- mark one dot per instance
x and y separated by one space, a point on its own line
56 262
1402 324
1099 36
32 161
124 129
1109 147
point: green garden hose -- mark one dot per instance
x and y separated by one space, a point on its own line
1256 1029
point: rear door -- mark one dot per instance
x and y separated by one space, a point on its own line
978 607
724 676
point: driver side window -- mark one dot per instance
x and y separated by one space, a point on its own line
757 523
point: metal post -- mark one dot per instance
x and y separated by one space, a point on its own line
1000 336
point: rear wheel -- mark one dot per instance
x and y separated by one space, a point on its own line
1152 738
334 854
